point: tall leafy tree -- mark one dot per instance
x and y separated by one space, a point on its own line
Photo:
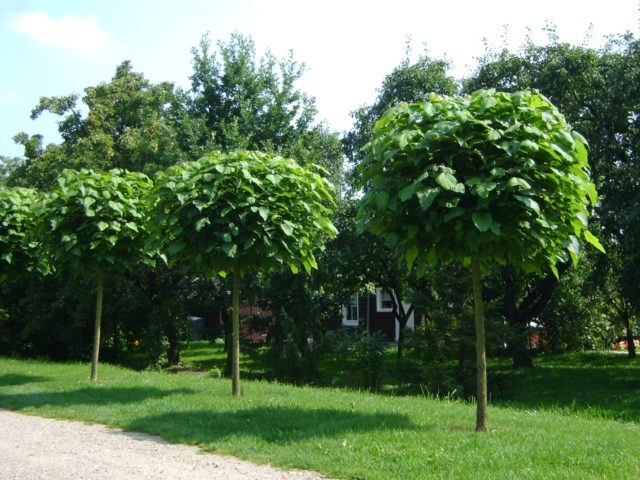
253 102
597 90
238 213
249 102
130 124
94 224
484 179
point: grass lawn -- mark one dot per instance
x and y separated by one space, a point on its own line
590 384
344 434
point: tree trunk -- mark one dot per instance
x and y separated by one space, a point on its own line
96 329
228 342
481 359
235 320
518 343
117 342
173 349
521 354
401 328
631 345
401 316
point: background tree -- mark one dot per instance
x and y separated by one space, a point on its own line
238 213
19 210
252 102
130 124
408 82
490 178
94 223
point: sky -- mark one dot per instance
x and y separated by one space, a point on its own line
59 47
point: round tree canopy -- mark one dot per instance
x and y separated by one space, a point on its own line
496 176
95 220
246 209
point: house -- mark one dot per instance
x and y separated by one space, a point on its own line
374 312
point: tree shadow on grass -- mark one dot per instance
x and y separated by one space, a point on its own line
589 391
15 379
275 425
98 396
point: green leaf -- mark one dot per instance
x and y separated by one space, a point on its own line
294 268
102 226
573 246
382 199
230 249
427 197
487 103
473 181
446 180
132 226
529 202
390 153
593 194
593 240
404 138
200 224
530 146
482 220
518 182
583 218
287 229
411 254
407 192
485 188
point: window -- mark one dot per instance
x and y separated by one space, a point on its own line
383 301
351 312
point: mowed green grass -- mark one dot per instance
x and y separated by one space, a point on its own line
589 384
343 434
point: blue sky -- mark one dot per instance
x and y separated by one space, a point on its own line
57 47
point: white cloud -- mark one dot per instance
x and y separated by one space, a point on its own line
81 34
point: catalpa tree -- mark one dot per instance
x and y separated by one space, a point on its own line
481 179
240 212
94 224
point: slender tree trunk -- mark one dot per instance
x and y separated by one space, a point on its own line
96 329
228 342
481 358
631 345
235 320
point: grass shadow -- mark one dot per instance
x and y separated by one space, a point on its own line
612 393
96 396
15 379
274 425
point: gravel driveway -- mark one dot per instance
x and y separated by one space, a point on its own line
41 448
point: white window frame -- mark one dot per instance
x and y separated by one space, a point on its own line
346 310
379 307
